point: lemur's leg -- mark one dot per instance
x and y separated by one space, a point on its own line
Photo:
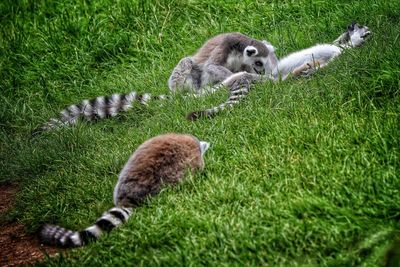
308 68
185 76
214 74
242 80
212 77
239 80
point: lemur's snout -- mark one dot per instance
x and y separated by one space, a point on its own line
366 34
257 71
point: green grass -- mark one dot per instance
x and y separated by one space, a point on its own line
303 173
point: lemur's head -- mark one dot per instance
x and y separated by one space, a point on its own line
256 58
358 34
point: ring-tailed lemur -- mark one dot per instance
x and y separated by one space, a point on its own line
302 63
307 61
219 58
161 160
216 60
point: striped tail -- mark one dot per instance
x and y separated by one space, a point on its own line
239 86
57 236
96 108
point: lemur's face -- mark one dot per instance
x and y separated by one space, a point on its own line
358 34
203 146
253 62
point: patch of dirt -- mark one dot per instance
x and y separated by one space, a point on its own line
7 196
19 248
16 246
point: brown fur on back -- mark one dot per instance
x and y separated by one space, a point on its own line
221 45
161 160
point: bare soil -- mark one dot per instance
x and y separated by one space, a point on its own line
16 246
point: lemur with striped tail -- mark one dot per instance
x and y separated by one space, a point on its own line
302 63
160 161
95 109
216 60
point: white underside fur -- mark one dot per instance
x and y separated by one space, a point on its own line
234 62
320 52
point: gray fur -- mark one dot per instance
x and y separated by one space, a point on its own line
217 59
301 63
305 62
160 161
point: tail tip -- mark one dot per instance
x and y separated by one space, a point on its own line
56 236
36 132
44 234
192 116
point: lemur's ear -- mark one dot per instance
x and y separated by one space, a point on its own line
270 47
266 42
351 27
251 51
203 147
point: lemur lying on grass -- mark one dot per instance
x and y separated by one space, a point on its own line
302 63
231 60
216 60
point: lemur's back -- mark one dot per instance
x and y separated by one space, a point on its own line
161 160
203 54
218 47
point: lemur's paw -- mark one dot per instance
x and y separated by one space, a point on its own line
366 34
358 34
308 71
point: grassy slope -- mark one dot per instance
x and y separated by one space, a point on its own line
304 173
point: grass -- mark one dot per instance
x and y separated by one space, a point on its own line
303 173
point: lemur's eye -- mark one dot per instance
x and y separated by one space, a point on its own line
258 63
